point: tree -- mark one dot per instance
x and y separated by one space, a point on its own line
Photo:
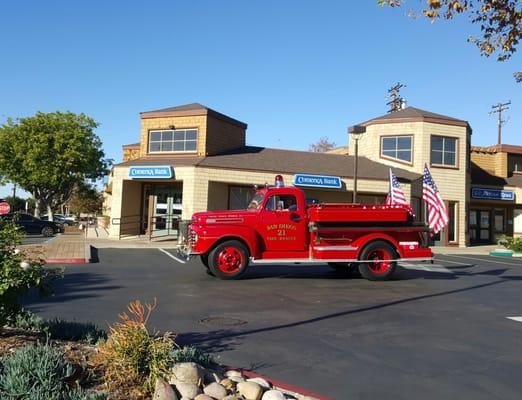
49 154
86 200
323 145
500 21
16 203
518 76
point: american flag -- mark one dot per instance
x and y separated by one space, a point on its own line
395 194
437 212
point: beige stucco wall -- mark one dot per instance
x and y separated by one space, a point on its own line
453 183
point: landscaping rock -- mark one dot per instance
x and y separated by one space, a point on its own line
237 379
230 397
261 382
231 373
273 395
203 397
215 390
188 390
250 390
227 383
187 372
163 391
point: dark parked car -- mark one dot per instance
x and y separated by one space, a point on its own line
34 226
60 219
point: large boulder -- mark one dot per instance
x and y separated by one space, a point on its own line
250 390
187 372
163 391
188 390
215 390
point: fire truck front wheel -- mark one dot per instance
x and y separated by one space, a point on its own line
229 260
380 261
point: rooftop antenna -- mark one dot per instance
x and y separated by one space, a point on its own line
396 102
498 109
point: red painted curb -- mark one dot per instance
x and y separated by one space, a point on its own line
65 261
282 385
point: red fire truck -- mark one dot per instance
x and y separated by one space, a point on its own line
280 227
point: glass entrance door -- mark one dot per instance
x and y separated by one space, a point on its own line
162 213
480 226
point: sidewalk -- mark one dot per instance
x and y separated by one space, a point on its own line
476 250
67 248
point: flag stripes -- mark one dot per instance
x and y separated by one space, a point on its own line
437 212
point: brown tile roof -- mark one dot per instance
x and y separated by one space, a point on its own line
131 146
412 114
480 176
189 110
284 161
498 148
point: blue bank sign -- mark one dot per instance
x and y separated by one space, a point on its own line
319 181
492 194
151 172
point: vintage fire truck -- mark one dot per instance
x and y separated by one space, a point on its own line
281 227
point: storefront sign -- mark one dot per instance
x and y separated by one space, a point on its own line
152 172
492 194
319 181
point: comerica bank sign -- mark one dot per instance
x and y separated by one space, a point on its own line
151 172
319 181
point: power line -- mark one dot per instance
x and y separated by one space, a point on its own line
498 109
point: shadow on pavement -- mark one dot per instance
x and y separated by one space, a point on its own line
72 286
227 339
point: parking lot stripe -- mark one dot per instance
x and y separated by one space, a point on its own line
430 268
518 319
452 262
173 256
484 260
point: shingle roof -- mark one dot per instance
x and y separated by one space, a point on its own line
480 176
284 161
191 109
415 114
131 145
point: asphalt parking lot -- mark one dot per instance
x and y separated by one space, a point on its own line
439 331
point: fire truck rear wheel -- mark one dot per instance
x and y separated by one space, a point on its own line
229 260
382 266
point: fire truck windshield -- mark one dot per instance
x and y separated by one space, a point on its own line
256 201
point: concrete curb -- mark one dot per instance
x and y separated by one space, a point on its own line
65 261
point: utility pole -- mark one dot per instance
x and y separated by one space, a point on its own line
498 109
396 101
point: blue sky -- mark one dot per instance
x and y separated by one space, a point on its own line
293 70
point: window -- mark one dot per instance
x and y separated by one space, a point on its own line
443 151
239 197
173 140
284 202
397 147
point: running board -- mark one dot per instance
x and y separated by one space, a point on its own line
326 261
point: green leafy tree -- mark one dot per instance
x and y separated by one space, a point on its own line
86 199
500 21
50 154
16 203
322 145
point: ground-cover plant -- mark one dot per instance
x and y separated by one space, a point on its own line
511 243
86 332
18 276
132 355
40 372
192 354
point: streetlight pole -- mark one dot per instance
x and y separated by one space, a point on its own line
356 131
